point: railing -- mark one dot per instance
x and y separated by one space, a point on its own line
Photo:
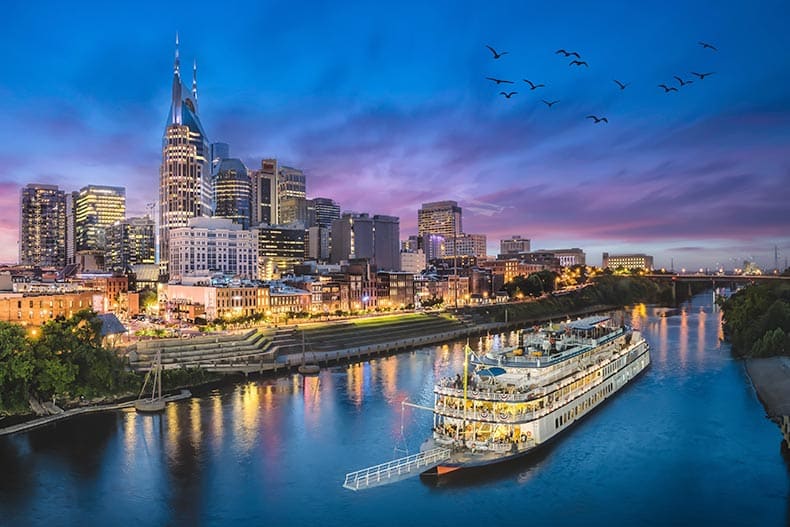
385 472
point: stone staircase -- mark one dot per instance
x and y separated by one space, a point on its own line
205 352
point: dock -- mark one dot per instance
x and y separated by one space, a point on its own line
47 420
395 470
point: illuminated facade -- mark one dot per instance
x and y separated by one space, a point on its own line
264 193
280 247
465 245
35 310
42 226
232 192
439 217
184 176
131 242
627 261
213 245
291 183
96 208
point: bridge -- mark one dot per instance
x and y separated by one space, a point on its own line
719 278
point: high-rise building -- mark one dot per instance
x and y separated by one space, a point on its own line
184 176
130 242
291 183
386 241
466 245
209 245
71 243
42 226
280 247
294 210
357 236
326 211
232 191
440 217
96 208
514 245
219 151
264 193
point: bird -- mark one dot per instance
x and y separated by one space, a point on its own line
597 119
499 81
667 89
682 82
702 75
496 55
533 86
509 94
578 63
706 45
567 53
622 85
549 104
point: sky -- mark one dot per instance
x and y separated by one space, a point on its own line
386 106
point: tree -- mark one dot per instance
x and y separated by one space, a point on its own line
16 366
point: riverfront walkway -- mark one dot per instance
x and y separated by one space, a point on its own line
278 351
771 379
43 421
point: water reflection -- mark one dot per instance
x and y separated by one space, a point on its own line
257 452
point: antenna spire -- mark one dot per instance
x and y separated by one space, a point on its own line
194 80
176 64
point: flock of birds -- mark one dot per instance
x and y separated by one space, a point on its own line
578 62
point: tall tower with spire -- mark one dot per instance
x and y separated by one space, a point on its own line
184 176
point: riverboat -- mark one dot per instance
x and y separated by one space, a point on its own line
509 402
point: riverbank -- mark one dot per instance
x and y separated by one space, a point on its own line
771 379
49 419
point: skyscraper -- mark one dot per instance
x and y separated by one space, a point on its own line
291 183
131 241
96 208
326 211
360 236
264 193
184 176
232 191
439 217
42 226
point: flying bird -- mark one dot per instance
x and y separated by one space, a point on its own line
622 85
667 89
549 104
567 53
509 94
578 63
702 75
708 46
499 81
496 55
597 119
533 86
682 82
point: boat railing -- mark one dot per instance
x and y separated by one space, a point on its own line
393 470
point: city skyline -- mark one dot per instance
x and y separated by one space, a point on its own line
386 110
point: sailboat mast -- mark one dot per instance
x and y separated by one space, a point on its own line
159 373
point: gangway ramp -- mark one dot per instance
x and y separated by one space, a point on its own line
395 470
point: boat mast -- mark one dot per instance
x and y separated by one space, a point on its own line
158 374
466 377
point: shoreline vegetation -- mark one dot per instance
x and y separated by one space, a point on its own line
757 324
67 363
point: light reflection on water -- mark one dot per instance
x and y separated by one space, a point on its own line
258 451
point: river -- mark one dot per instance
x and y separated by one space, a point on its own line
687 443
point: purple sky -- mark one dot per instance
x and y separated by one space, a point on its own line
387 106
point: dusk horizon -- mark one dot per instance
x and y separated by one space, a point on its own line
387 108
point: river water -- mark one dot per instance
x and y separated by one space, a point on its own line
687 443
